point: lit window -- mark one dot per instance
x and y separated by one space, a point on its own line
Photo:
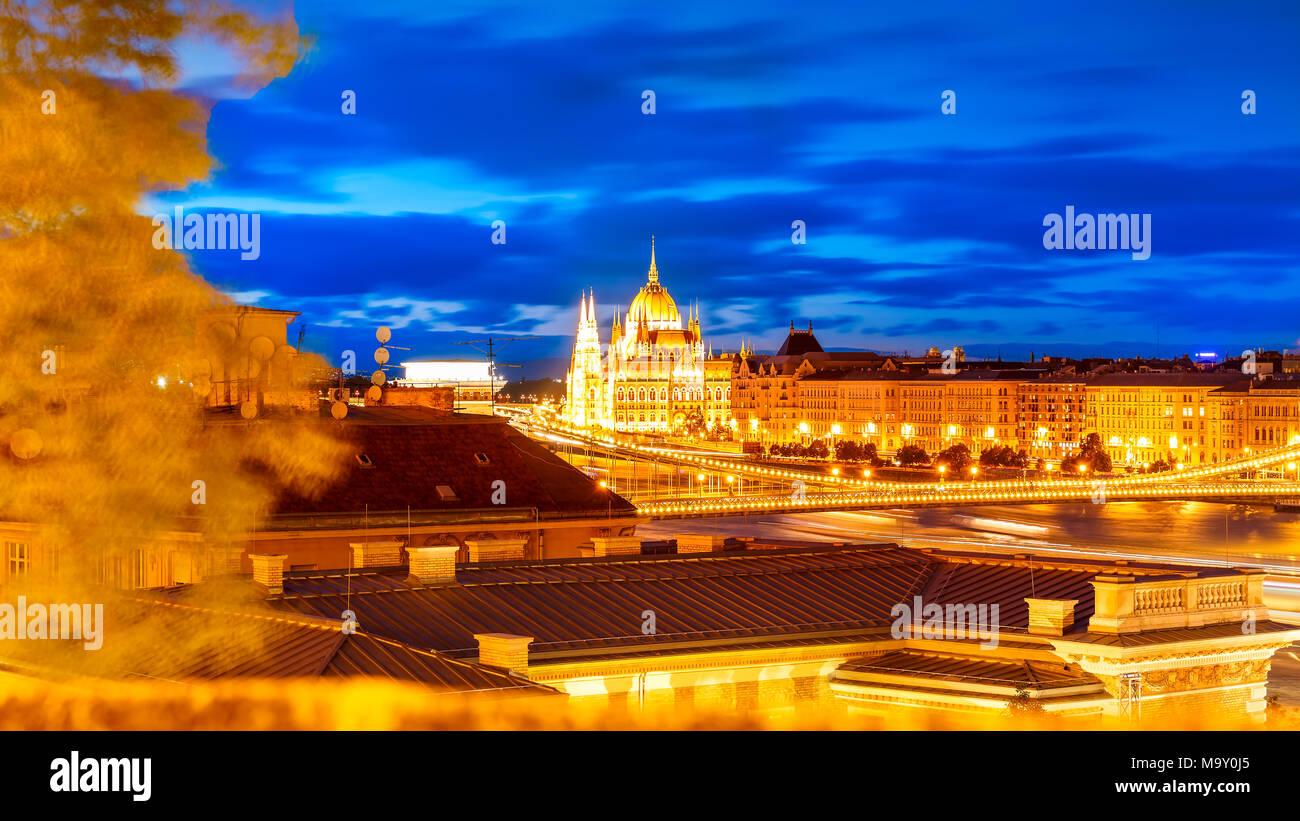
19 558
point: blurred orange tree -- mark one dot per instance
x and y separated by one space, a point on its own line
92 121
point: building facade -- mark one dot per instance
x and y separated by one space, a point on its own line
473 382
656 375
1045 409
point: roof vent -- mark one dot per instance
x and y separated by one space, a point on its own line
482 458
446 494
365 461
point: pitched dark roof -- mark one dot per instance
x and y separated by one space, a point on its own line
596 604
799 343
935 667
1181 379
409 452
591 607
158 637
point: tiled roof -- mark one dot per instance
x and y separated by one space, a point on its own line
408 454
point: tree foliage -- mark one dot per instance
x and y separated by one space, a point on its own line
92 125
1091 454
912 455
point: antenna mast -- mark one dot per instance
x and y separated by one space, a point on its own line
491 353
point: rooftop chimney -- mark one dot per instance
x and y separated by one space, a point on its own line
496 550
376 554
268 571
699 543
1050 617
617 545
504 651
433 565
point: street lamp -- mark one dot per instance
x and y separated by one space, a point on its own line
942 470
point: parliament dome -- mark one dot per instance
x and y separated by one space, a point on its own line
653 305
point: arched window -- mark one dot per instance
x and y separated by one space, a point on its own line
620 394
643 397
663 394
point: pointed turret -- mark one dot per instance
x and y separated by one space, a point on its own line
654 272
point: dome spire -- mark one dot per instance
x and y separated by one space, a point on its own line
654 272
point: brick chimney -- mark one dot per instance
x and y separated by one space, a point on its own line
434 565
616 545
376 554
268 571
496 550
699 543
504 651
1050 617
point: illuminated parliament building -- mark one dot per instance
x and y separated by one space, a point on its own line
655 375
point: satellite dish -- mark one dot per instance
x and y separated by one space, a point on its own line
379 378
222 333
374 394
262 348
339 410
381 356
25 443
383 334
248 410
201 385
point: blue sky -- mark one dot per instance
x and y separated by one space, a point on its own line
922 229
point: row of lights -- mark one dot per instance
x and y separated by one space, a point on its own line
1181 473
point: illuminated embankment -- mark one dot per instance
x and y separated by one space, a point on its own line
1085 484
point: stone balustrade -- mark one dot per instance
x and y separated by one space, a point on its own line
1132 604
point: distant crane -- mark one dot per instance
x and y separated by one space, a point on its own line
494 344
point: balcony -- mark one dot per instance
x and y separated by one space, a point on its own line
1128 604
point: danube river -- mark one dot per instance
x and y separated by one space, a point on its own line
1202 532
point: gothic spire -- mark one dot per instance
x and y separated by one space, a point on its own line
654 272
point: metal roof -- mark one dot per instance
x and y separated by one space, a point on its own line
592 605
162 639
1021 674
596 607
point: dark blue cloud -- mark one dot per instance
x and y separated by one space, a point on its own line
922 229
